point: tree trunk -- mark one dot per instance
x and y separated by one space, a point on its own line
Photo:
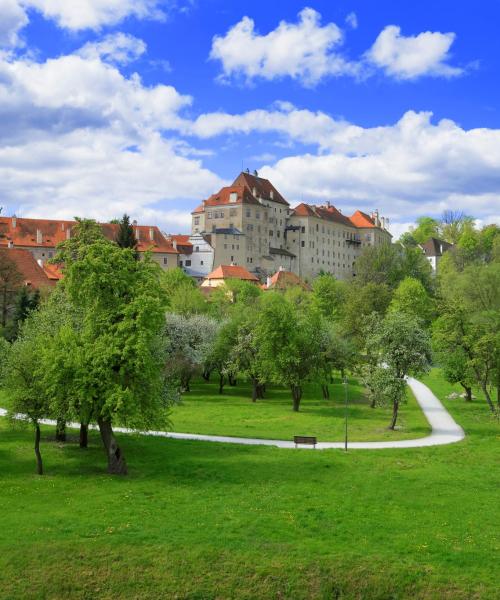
116 460
39 465
205 374
261 388
296 396
468 392
232 380
221 383
61 430
486 393
255 390
84 435
185 380
395 407
326 391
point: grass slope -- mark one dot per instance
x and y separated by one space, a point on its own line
204 410
206 521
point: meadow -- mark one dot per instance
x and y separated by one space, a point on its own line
206 521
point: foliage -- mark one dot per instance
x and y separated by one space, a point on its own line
125 238
427 227
181 294
26 302
410 298
10 282
329 295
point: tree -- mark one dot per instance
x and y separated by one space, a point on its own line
181 294
10 282
403 348
289 342
361 302
26 301
380 265
219 357
125 237
119 357
453 223
410 298
22 380
427 227
329 295
190 341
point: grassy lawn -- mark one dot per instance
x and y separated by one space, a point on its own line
211 521
204 410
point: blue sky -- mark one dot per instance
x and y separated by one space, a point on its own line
148 106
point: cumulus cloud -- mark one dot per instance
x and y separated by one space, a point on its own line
410 57
12 20
305 50
87 139
352 20
120 48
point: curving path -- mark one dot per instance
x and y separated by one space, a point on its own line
444 429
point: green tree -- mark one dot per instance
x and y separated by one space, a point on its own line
125 237
403 349
329 295
26 301
426 228
410 298
10 282
289 342
361 302
119 359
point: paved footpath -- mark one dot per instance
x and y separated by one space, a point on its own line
444 429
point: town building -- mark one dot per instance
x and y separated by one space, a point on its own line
283 280
41 237
305 240
32 273
223 273
434 249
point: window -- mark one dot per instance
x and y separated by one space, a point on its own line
233 212
196 248
233 196
225 246
165 260
278 234
197 220
303 229
271 233
201 262
188 263
317 227
257 214
51 254
180 263
209 214
248 212
303 244
232 258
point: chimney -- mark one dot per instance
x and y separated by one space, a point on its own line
10 244
62 226
268 282
174 244
68 233
282 268
14 221
254 192
137 232
328 204
151 234
271 194
40 263
39 236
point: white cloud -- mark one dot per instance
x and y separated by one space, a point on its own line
12 20
93 14
352 20
414 56
79 138
120 48
302 50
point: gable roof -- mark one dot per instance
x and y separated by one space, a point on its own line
435 247
362 220
284 279
47 233
263 187
32 273
328 212
231 272
181 243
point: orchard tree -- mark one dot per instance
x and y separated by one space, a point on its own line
410 298
403 349
189 341
181 294
289 342
329 295
119 357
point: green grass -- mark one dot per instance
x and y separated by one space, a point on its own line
204 410
210 521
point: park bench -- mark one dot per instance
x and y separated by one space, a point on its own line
304 439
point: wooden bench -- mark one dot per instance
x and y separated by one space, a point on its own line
304 439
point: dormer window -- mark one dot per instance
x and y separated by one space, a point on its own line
233 197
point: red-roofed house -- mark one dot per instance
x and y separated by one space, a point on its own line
41 236
225 272
283 280
32 273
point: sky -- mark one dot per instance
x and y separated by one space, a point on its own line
149 106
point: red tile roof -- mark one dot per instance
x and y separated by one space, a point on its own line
231 272
31 272
329 213
362 220
284 279
45 233
243 186
182 243
263 187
